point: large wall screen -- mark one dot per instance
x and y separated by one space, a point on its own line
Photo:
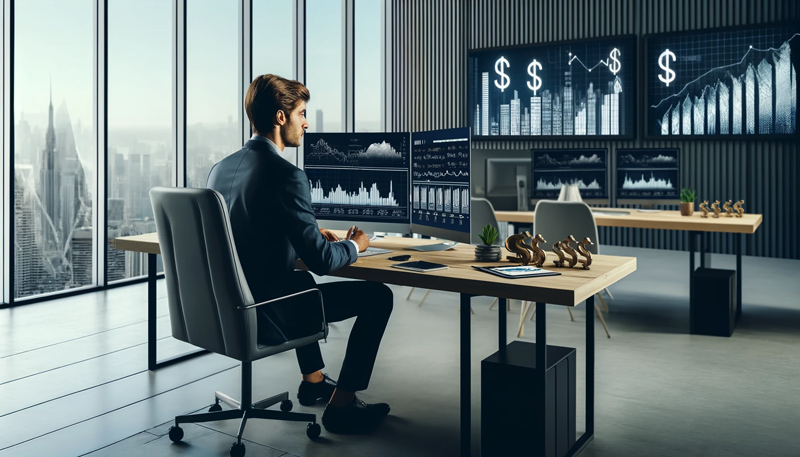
567 89
726 82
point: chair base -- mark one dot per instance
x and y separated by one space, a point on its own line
246 410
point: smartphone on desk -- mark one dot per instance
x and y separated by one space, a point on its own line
420 265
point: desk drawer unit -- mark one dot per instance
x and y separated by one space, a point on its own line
511 402
712 310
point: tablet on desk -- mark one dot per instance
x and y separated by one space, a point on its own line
421 265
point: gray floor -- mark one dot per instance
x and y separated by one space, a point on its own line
73 378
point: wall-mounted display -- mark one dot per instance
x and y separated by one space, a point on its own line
552 168
580 88
724 82
645 174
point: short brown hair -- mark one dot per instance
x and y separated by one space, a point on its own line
269 94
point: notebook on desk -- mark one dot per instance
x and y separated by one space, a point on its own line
374 251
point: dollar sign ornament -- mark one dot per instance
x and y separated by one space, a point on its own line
504 79
663 62
614 64
537 81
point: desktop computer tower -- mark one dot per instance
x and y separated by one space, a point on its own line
511 402
712 309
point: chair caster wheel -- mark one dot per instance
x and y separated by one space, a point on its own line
286 406
237 450
214 408
313 430
175 433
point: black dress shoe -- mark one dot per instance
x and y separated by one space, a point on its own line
309 392
357 417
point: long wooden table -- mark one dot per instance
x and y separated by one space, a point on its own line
573 286
696 225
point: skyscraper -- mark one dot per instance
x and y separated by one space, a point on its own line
515 115
485 103
49 185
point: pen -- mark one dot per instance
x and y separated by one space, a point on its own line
353 233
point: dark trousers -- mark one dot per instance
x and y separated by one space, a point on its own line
370 303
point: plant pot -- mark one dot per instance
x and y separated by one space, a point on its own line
687 208
484 253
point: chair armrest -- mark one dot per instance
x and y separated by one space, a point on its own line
279 318
285 297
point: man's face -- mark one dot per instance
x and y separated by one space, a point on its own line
295 126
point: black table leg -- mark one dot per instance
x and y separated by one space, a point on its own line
588 435
152 340
738 240
541 368
502 325
466 369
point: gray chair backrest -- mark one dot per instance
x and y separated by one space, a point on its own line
481 213
205 282
557 220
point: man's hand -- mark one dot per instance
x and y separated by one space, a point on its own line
328 235
360 237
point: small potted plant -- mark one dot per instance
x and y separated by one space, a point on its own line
487 252
687 202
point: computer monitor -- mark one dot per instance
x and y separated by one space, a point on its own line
359 179
647 176
508 183
440 188
587 168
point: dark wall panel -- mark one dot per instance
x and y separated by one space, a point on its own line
431 39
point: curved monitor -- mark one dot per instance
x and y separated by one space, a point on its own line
359 179
440 195
647 176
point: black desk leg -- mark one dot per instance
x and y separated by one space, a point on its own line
738 240
466 369
152 340
541 367
502 325
590 367
692 248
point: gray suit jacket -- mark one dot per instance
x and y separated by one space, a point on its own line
273 224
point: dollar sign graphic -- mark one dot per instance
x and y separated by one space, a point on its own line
504 79
537 81
615 65
663 62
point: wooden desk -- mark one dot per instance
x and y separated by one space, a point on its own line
695 224
665 220
571 288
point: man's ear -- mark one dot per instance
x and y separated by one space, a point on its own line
280 117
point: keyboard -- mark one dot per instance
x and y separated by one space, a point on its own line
374 251
609 213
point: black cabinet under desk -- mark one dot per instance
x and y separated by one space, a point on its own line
511 402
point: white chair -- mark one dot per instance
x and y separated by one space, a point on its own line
555 221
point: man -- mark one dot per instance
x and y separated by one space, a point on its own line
273 224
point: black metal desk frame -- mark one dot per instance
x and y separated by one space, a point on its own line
541 369
152 339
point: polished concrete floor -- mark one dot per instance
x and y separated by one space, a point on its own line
73 378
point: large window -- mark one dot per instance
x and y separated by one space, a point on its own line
140 92
55 154
212 86
325 65
369 65
274 48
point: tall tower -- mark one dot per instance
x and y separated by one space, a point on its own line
50 184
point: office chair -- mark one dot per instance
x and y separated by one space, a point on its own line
210 304
556 220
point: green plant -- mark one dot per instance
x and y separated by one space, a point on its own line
488 235
688 196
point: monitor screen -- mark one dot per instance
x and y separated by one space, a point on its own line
440 190
647 174
554 90
552 168
359 179
721 83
